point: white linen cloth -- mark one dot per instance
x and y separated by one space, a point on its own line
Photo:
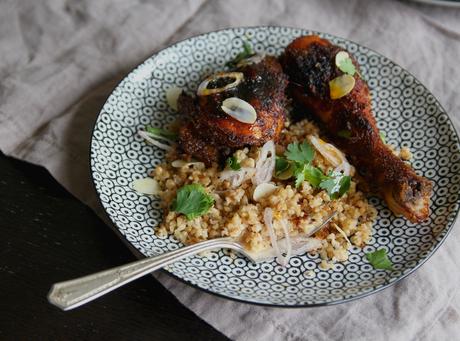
59 61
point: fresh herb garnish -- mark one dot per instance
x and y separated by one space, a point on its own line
298 174
232 163
313 175
161 133
246 53
192 201
379 259
301 156
344 63
301 153
336 184
284 169
383 137
309 173
281 164
344 133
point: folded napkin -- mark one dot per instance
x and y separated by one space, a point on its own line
59 61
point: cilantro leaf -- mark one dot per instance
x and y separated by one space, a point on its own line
379 259
336 184
192 201
303 153
284 169
246 53
299 175
233 163
161 133
345 183
346 65
313 175
247 48
383 137
307 172
344 133
281 165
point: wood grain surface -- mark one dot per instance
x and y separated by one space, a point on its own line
49 236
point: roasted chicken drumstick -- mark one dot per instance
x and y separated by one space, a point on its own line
210 134
311 64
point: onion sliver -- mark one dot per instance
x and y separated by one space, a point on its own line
240 110
299 244
146 186
342 232
268 220
285 259
265 164
203 88
236 178
148 137
293 245
182 163
251 60
334 156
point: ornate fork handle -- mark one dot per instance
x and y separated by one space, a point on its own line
73 293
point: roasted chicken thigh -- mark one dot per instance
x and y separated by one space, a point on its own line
210 134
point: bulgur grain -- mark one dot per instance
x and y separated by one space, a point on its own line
235 214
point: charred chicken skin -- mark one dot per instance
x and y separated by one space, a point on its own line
309 62
210 134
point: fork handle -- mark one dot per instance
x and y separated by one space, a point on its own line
75 292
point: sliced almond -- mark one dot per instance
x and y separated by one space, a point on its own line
172 94
263 190
146 186
340 57
239 109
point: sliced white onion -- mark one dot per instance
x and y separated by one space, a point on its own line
285 260
182 163
146 186
265 164
263 190
172 94
344 167
240 110
155 136
251 60
302 244
203 87
268 220
293 245
299 244
148 137
331 154
342 232
236 178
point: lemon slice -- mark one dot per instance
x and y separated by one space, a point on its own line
341 86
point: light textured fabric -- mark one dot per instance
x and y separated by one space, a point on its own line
59 61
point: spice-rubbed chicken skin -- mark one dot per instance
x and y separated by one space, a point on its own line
310 63
210 134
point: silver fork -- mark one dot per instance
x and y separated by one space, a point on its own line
76 292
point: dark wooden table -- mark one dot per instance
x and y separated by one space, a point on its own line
47 236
